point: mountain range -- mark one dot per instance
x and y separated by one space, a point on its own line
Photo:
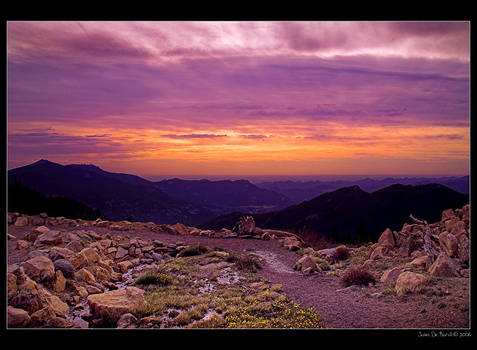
345 212
123 196
350 213
299 191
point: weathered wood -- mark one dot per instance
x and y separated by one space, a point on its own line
429 249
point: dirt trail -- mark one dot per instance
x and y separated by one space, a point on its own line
354 307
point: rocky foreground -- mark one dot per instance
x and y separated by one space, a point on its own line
65 273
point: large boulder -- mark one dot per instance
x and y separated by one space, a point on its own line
447 214
387 239
443 266
110 306
39 268
410 282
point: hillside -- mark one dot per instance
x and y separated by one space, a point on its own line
299 191
225 195
122 196
351 214
23 199
117 196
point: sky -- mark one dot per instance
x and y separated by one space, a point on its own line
266 97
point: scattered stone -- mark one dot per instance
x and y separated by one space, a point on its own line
124 266
421 261
245 226
127 320
443 266
379 252
58 322
84 275
59 307
121 253
447 214
387 239
42 316
12 285
60 282
390 275
51 237
463 250
90 255
21 221
22 244
448 243
39 268
17 317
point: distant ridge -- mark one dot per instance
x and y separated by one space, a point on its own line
299 191
122 196
350 214
118 196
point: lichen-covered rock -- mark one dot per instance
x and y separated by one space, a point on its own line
410 282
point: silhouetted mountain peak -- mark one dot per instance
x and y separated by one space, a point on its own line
43 162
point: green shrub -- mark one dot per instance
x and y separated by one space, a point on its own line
358 277
245 262
342 253
192 250
155 278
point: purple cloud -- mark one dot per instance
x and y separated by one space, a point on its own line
193 136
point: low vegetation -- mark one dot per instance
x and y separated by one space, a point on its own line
220 291
357 276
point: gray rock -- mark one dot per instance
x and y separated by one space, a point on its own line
65 267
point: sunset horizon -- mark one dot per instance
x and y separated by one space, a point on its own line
241 98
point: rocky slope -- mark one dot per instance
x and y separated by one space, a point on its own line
65 273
